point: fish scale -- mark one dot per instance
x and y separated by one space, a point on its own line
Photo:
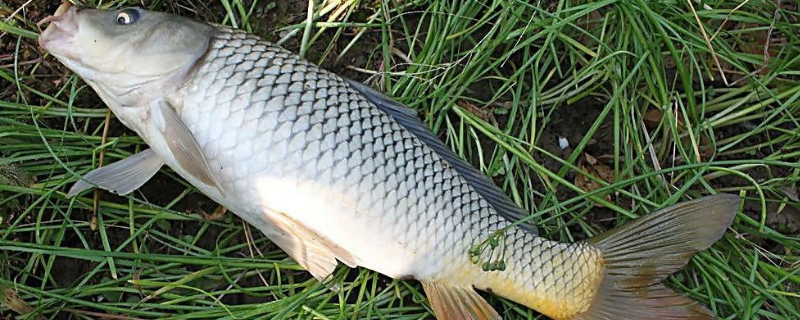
311 128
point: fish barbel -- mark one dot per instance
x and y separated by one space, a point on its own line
333 171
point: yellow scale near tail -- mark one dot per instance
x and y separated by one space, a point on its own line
564 285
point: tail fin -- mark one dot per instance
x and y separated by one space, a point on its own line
643 252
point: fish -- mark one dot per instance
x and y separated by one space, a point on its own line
333 171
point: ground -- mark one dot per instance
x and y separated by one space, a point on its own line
586 114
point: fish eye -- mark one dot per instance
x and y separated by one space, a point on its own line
127 16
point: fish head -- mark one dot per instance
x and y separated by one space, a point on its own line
129 56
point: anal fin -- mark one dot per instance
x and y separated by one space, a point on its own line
457 303
121 177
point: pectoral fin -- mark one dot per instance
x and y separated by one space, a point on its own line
121 177
314 252
183 145
457 303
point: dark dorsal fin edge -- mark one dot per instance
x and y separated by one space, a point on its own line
407 118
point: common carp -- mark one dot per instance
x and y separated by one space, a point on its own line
331 171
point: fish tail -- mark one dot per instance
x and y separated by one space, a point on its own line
640 254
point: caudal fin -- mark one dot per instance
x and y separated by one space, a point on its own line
640 254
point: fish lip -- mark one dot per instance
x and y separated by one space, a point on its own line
62 29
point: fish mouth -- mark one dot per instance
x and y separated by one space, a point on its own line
62 30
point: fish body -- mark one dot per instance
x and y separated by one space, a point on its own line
333 171
330 160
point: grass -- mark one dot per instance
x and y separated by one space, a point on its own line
671 98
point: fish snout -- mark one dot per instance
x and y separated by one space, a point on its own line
62 29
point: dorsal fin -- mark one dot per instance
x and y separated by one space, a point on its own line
408 119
